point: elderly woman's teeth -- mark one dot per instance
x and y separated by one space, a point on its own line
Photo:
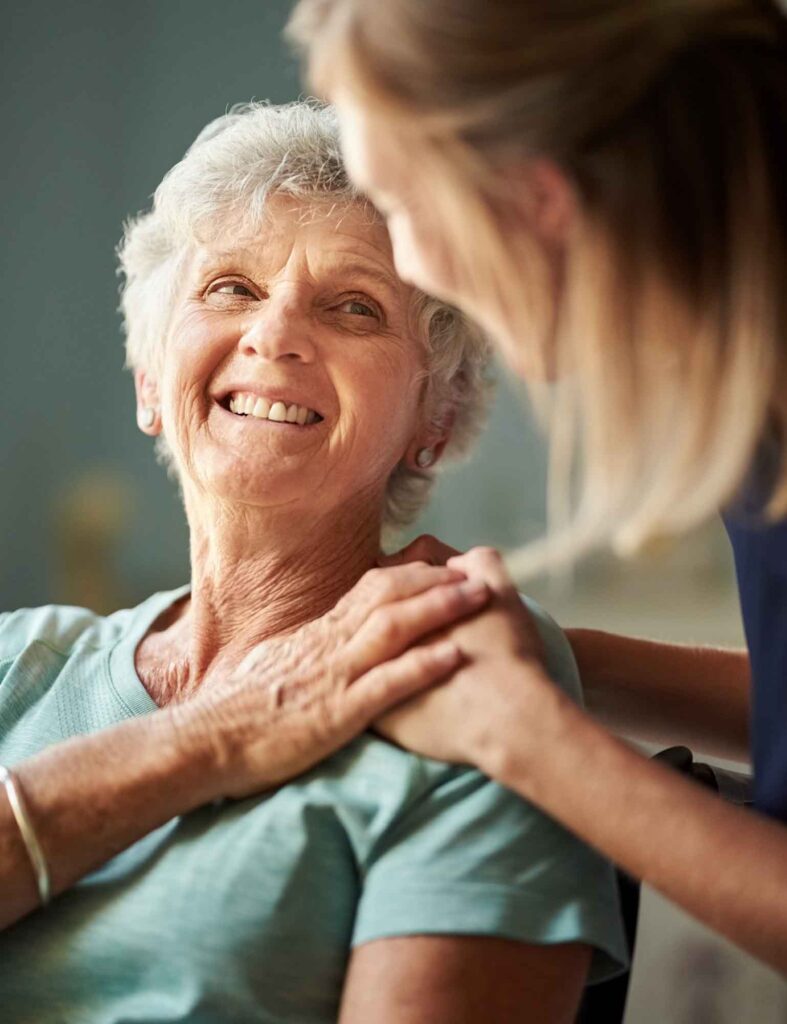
278 412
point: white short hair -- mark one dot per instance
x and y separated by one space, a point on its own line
220 187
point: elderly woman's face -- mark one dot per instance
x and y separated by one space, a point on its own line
290 370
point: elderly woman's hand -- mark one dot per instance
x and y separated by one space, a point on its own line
299 697
502 669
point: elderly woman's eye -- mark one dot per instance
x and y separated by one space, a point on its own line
231 288
358 307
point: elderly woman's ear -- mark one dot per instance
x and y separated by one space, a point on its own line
425 449
148 409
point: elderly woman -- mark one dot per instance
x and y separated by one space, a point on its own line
161 781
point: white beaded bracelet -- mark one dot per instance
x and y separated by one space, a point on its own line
26 830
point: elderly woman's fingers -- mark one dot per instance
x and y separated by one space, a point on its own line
387 685
425 548
393 628
379 587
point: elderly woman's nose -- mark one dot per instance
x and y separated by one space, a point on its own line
278 335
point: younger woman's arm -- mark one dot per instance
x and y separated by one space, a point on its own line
667 693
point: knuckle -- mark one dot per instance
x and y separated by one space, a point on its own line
379 582
361 590
377 684
392 633
330 632
364 586
388 627
368 592
325 621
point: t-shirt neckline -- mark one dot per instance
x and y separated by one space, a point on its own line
123 676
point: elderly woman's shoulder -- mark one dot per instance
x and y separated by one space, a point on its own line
59 627
559 658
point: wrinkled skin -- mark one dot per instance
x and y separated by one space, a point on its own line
298 697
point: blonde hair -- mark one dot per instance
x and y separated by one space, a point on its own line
669 120
220 189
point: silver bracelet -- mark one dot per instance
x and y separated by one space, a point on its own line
29 837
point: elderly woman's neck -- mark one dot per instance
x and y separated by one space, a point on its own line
245 590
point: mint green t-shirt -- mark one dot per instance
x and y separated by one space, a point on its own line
246 911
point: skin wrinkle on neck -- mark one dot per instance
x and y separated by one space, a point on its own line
245 592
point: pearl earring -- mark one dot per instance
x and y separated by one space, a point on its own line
424 458
147 416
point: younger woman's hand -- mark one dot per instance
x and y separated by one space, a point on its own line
297 698
502 671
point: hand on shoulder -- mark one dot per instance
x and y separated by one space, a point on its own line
500 687
298 697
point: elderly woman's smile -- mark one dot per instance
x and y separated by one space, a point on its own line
269 408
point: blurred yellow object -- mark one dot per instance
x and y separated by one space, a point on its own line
91 516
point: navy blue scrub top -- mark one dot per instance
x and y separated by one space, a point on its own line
760 550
